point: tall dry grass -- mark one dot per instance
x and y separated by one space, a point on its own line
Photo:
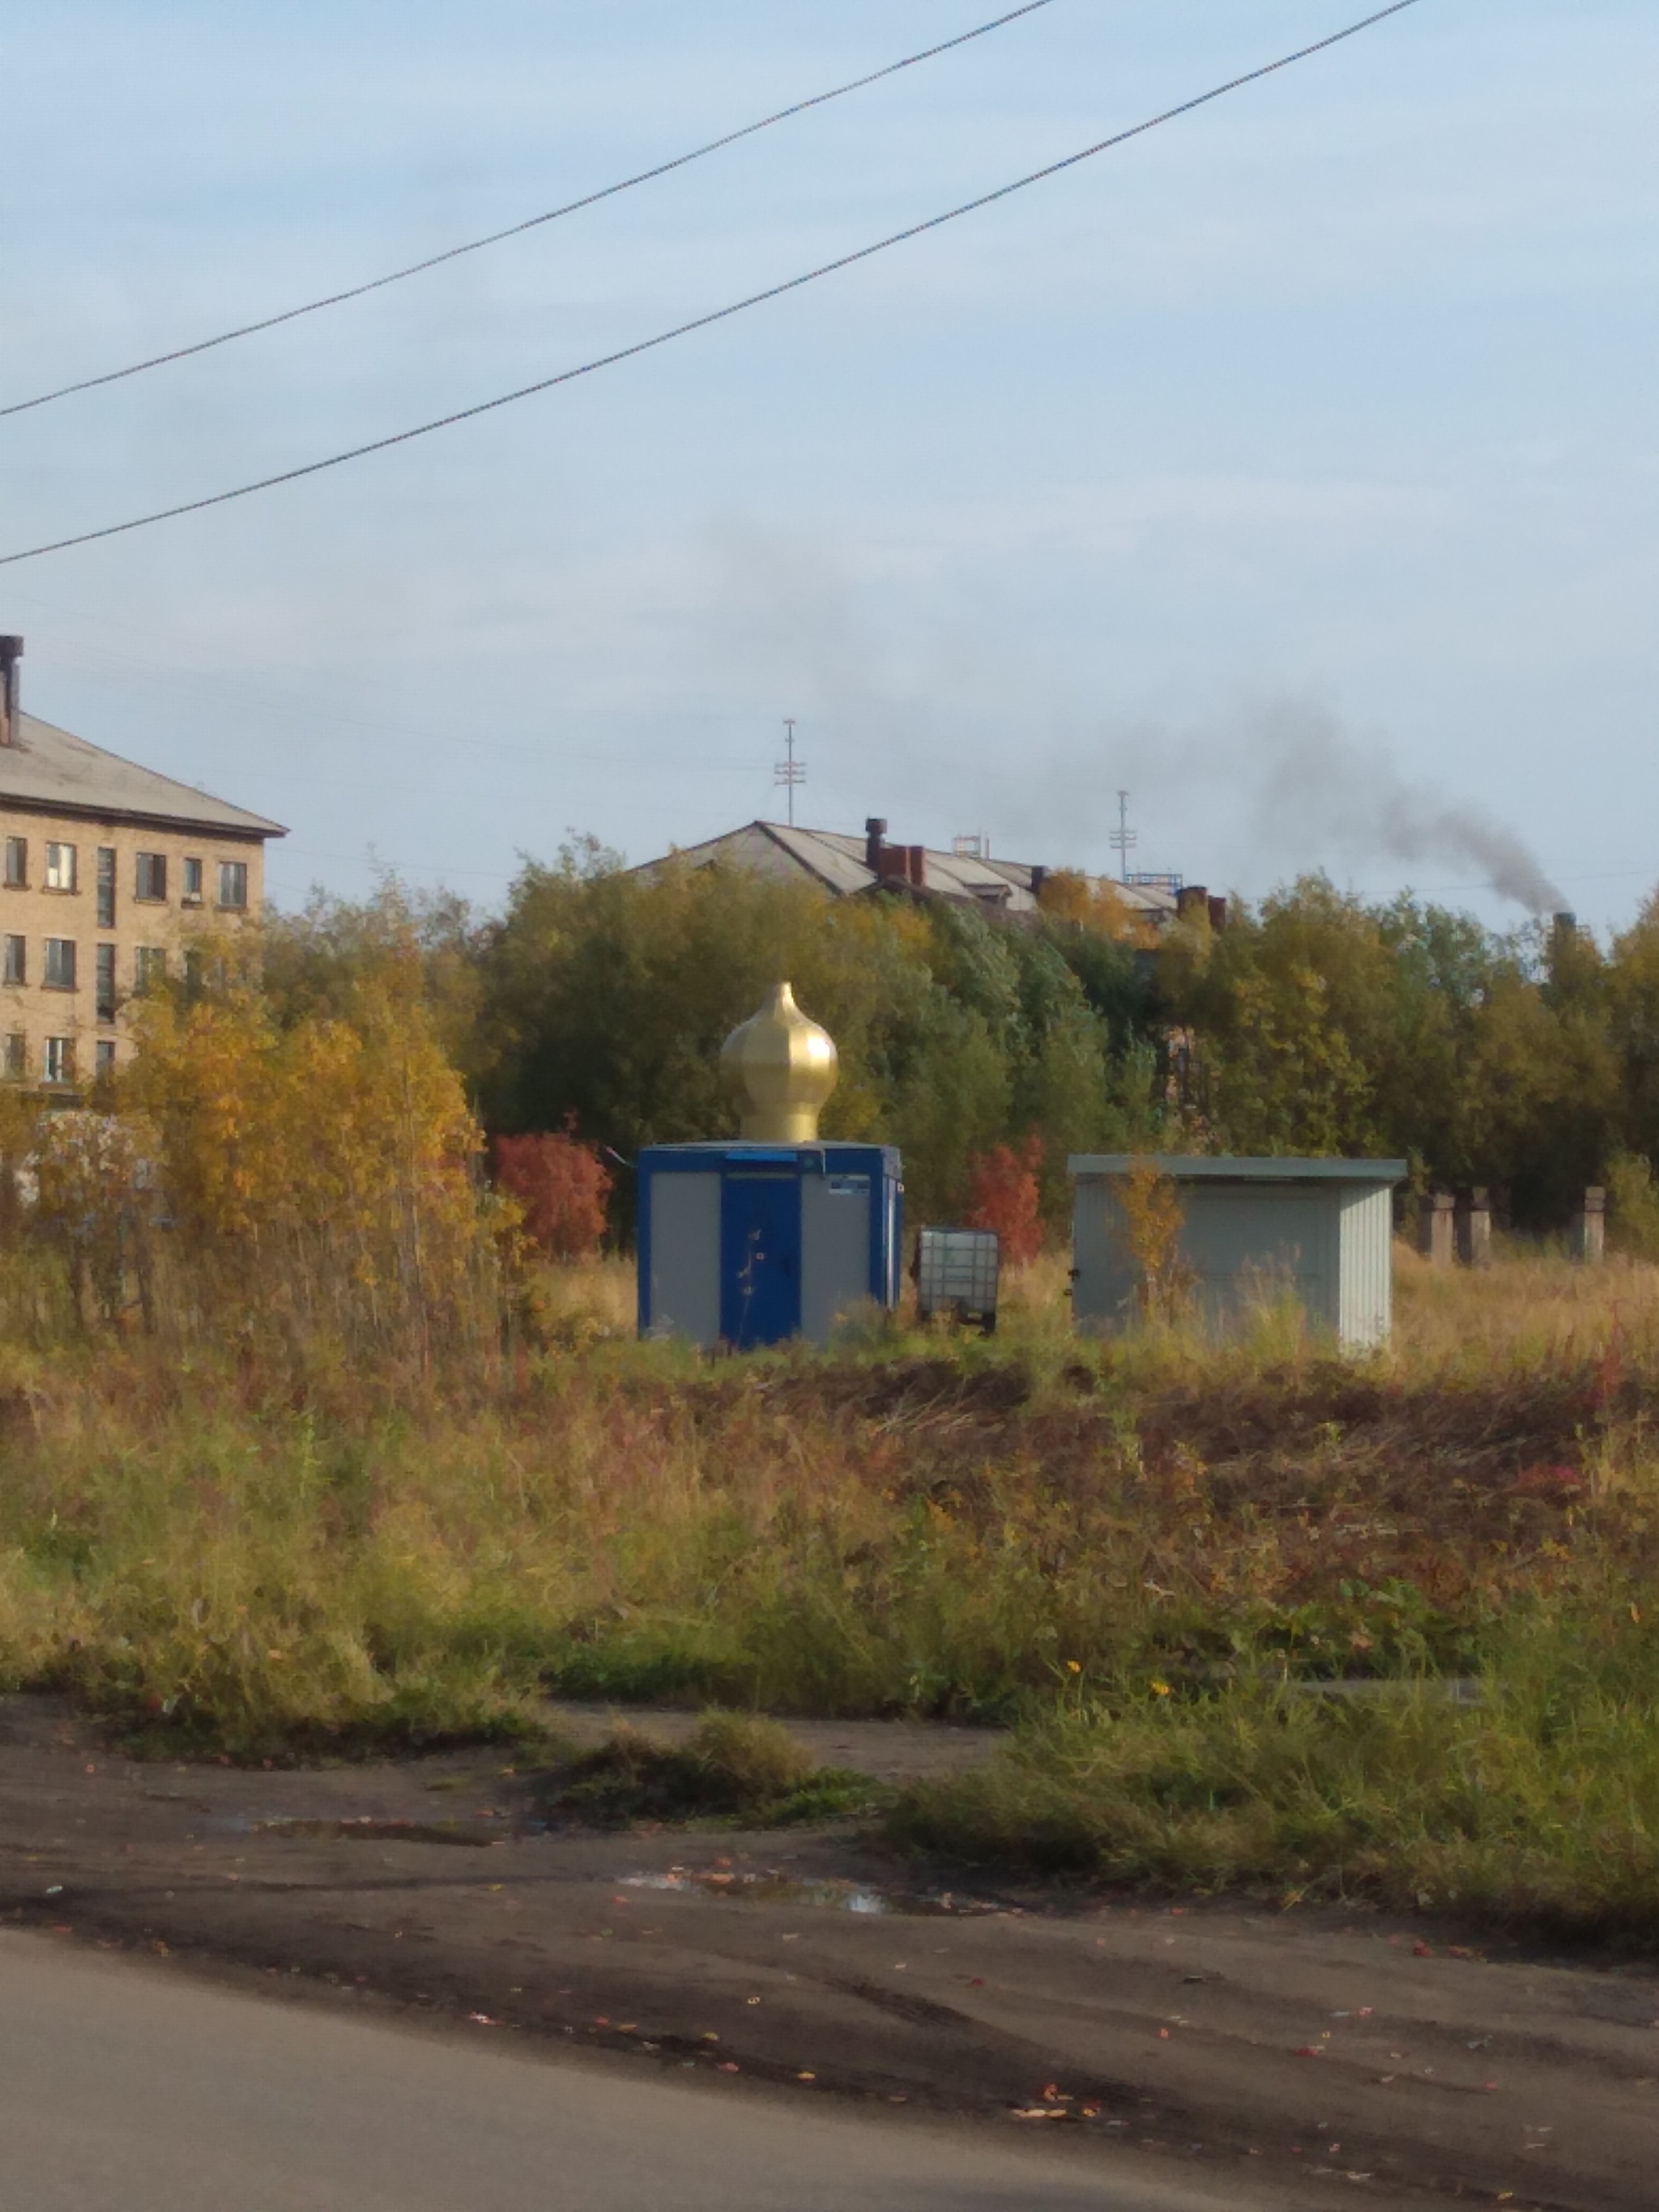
1151 1553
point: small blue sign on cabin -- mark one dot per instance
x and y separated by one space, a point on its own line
748 1244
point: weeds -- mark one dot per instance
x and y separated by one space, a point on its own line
1147 1554
1538 1804
736 1767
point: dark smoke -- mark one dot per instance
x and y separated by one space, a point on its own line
1324 788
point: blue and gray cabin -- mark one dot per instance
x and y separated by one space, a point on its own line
745 1244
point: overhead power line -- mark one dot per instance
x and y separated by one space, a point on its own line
532 222
713 314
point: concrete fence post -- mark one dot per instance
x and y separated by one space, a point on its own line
1588 1244
1435 1227
1475 1229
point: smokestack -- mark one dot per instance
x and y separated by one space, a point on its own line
875 831
11 652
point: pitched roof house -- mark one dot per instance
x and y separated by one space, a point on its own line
846 866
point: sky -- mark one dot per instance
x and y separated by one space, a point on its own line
1293 467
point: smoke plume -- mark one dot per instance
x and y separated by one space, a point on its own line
1324 788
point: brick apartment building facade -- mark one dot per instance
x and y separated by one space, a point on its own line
106 871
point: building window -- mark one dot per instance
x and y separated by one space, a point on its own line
17 1056
106 887
233 884
60 964
57 1065
150 878
105 969
104 1056
17 864
150 967
60 868
192 891
18 960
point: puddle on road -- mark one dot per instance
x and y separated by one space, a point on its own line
367 1830
825 1895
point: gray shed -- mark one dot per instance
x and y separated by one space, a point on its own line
1323 1228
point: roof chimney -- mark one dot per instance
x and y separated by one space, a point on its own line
11 652
875 831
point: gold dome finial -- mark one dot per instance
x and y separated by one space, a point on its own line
781 1067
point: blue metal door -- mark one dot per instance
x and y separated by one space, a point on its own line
760 1259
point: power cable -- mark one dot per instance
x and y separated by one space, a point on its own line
714 314
533 222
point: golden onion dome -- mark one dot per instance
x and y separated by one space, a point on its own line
780 1067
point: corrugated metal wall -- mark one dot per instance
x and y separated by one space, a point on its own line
1248 1244
1367 1302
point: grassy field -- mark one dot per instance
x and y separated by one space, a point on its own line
1222 1590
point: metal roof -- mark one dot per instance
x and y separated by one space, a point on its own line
54 771
837 861
1185 1167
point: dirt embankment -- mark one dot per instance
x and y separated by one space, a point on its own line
1365 2056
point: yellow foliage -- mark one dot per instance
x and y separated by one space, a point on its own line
1152 1222
1094 903
331 1162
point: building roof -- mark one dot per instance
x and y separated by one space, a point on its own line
1184 1167
54 771
837 863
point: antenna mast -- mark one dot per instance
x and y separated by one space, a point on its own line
789 774
1123 838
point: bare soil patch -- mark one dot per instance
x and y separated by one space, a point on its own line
1370 2056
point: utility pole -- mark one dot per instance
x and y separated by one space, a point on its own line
1123 837
789 774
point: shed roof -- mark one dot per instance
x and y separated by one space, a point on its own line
56 771
1184 1167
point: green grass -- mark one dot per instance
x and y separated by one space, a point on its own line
1539 1805
738 1769
1143 1554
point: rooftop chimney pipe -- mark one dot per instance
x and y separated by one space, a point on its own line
11 652
875 831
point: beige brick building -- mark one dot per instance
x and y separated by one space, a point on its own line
106 871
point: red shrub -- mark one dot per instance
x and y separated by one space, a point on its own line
563 1184
1004 1194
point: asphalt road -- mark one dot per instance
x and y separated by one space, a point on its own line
127 2087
